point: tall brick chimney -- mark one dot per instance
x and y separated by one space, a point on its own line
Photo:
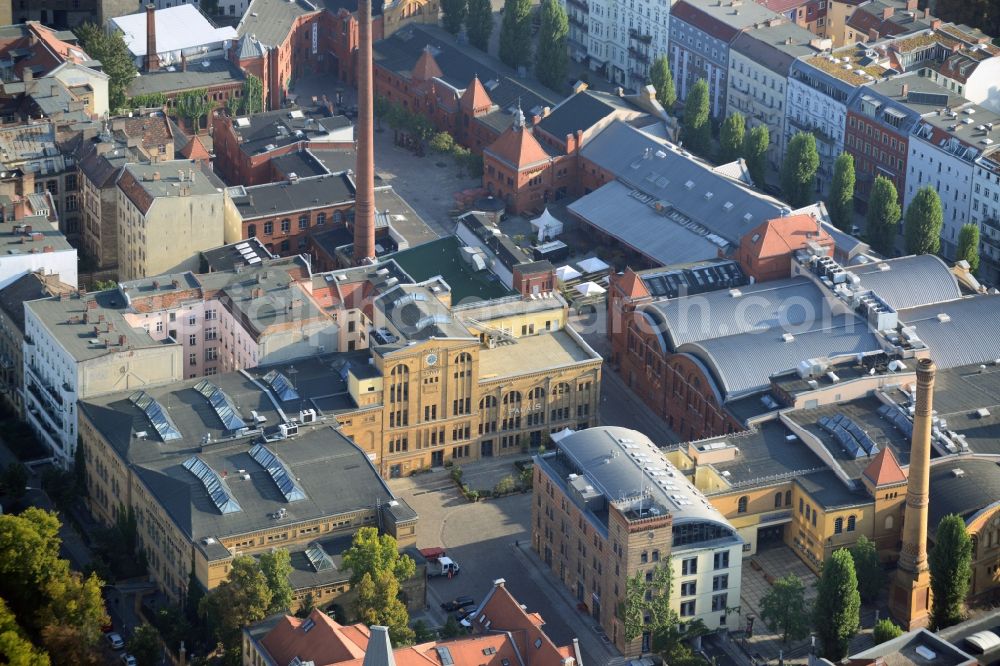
364 206
152 58
910 593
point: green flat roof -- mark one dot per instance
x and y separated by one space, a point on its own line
441 257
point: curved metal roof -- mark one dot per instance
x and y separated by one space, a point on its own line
895 285
786 304
961 332
744 364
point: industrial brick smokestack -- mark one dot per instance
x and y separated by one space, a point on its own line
910 596
152 58
364 213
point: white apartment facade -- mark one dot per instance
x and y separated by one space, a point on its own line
986 214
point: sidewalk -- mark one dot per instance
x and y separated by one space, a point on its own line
591 644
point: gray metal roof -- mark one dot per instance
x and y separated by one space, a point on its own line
782 304
775 46
415 313
909 281
269 21
743 364
680 182
976 487
969 333
626 466
613 210
302 194
200 74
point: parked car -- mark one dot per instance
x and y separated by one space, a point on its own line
463 613
128 660
458 603
116 641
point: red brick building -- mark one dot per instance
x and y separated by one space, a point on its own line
244 146
765 253
517 169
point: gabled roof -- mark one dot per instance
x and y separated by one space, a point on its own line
519 148
631 285
475 98
426 67
249 47
325 642
884 470
782 236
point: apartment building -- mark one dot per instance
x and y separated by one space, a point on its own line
214 468
874 19
701 32
607 506
34 244
29 48
760 60
986 213
944 147
168 212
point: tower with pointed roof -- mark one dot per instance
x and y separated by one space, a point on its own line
885 481
518 168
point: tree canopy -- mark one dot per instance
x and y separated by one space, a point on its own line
378 603
276 567
453 13
868 568
837 614
15 647
373 553
924 219
951 570
697 127
755 143
840 204
798 171
662 80
116 60
731 137
243 598
144 645
784 609
885 630
968 246
479 23
515 33
883 215
552 58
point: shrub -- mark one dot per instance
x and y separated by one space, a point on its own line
505 485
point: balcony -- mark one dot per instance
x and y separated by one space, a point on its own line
580 4
815 131
578 22
50 423
638 55
636 35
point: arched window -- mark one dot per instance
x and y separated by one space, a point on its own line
537 393
851 521
399 384
464 357
338 217
838 526
320 219
512 398
512 411
488 402
788 498
777 500
304 221
741 505
286 226
252 231
888 522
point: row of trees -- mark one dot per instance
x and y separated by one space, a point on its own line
468 162
853 576
476 15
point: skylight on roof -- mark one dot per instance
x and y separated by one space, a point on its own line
279 473
221 403
318 558
282 388
223 501
159 418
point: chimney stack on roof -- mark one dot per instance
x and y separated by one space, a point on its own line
364 218
152 57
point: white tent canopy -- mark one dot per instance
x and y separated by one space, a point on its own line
564 273
547 226
592 265
590 289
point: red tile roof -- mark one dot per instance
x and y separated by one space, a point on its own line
426 68
883 470
518 147
324 642
631 284
784 235
475 99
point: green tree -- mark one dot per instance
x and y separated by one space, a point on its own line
442 142
244 597
148 101
883 215
308 605
968 246
421 632
15 480
195 593
378 603
515 33
783 608
116 60
193 105
837 614
951 570
755 143
924 218
841 201
630 611
144 645
104 285
253 95
479 23
451 628
731 137
552 58
649 597
868 568
798 171
453 14
672 643
697 127
15 647
885 630
276 567
371 553
663 81
505 485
